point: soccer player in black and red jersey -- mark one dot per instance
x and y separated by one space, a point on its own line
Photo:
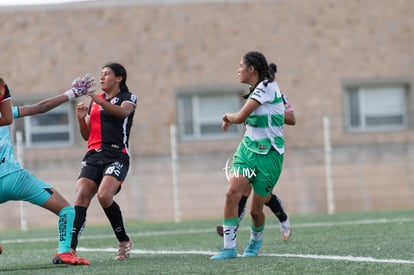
106 125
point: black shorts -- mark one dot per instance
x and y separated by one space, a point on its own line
97 164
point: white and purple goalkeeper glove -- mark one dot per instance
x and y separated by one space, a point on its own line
81 86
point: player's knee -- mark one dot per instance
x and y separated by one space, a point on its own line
104 200
82 199
255 213
232 196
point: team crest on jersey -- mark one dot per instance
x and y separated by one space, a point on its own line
133 98
114 100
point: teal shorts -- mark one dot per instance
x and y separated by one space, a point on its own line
23 186
263 171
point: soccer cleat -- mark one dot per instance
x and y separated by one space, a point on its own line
69 258
225 253
124 249
252 248
285 230
219 230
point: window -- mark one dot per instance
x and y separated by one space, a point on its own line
199 115
376 108
54 128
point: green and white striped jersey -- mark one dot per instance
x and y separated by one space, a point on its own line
264 126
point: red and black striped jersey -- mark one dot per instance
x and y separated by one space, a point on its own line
107 131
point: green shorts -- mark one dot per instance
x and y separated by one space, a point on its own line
262 170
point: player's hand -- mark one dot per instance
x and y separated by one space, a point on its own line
226 123
81 86
96 99
81 110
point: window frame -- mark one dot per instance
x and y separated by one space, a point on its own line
195 95
30 130
362 89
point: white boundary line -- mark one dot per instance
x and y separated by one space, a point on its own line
210 230
210 253
195 252
342 258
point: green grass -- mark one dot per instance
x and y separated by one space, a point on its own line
352 243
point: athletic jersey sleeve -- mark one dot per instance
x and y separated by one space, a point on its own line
262 94
131 98
288 106
285 99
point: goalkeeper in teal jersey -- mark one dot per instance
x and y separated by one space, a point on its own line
17 184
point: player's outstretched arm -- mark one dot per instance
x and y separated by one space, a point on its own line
80 87
42 106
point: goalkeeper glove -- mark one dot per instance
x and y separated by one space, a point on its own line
81 86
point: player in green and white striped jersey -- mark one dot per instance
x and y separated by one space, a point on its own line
274 203
259 157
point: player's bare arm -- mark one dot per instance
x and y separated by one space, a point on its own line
42 106
6 115
83 119
243 113
122 111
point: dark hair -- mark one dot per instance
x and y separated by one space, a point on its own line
272 70
119 70
266 71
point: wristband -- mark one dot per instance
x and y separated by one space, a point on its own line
70 94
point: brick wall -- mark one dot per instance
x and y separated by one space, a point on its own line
318 45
